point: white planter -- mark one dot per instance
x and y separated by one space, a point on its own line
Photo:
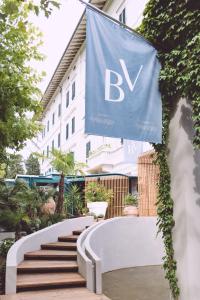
97 208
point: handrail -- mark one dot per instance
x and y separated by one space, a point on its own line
85 265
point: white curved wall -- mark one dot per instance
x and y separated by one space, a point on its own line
122 243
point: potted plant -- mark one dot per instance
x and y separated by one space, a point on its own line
97 197
131 203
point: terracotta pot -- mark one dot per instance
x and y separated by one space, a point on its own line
130 210
49 207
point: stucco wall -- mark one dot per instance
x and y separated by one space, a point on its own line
184 165
128 242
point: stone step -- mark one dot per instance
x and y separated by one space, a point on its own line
51 254
60 246
52 294
77 232
52 280
68 238
41 266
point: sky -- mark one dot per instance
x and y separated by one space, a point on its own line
57 30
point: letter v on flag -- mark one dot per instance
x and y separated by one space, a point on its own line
122 92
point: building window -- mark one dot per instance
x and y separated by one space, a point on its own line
67 131
43 154
52 145
47 126
67 99
59 110
58 140
73 125
73 90
122 16
72 154
53 119
88 148
47 151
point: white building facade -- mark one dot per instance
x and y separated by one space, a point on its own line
64 105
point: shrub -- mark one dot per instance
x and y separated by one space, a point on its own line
5 245
95 192
131 200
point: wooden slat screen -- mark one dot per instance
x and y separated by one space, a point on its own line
120 186
148 176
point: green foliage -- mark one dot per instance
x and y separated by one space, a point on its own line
48 220
131 200
174 30
73 201
14 165
32 165
5 245
19 92
20 207
64 162
96 192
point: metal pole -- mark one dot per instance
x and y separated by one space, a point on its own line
114 20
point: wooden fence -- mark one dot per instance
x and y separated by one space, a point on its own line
148 176
119 184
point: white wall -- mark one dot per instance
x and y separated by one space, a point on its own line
124 242
128 242
185 190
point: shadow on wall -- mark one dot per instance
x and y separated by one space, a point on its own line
141 283
187 124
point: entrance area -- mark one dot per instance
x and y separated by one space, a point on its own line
140 283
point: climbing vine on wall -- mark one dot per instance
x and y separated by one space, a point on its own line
174 29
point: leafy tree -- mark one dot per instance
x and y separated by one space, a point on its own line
19 92
64 163
32 165
14 165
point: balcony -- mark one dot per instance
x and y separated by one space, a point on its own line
104 158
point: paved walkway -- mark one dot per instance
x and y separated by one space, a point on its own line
57 294
140 283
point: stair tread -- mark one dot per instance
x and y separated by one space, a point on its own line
39 264
49 253
26 280
64 245
77 232
69 237
52 294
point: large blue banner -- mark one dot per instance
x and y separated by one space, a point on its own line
122 93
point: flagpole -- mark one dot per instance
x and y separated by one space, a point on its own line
114 20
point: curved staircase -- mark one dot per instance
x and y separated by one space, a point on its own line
54 266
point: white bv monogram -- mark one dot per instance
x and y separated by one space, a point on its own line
119 82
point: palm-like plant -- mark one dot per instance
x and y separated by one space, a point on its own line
64 163
20 207
73 200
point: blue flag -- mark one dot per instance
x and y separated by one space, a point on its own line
122 93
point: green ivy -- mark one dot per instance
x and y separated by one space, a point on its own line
174 30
